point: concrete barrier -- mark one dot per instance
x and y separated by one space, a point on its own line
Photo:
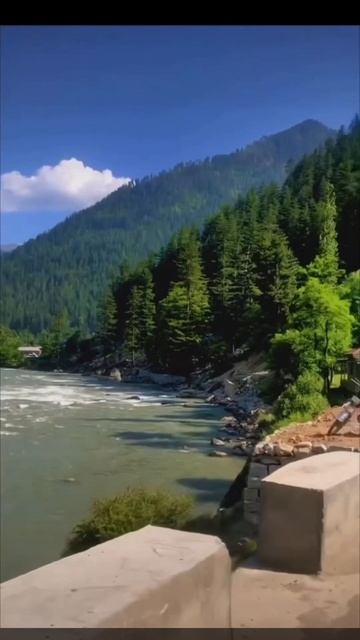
310 515
153 578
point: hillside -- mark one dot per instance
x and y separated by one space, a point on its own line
69 266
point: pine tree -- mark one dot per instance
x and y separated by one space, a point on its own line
140 315
325 266
185 310
107 320
133 337
277 271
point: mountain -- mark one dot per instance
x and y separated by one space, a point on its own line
69 266
6 248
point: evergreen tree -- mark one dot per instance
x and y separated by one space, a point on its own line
326 264
107 320
133 333
185 310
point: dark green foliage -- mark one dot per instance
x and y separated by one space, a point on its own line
320 331
107 321
184 312
129 511
303 399
9 343
70 266
54 341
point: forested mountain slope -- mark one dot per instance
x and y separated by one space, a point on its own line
68 267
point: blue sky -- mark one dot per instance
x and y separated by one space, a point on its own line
137 100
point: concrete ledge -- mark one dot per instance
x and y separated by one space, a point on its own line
310 515
154 578
263 599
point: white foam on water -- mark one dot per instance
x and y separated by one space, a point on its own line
58 426
2 419
8 433
23 406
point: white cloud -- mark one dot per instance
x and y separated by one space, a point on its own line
68 186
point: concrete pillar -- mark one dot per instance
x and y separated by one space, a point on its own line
310 515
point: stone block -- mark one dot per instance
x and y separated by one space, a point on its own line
254 483
251 494
151 578
252 518
302 452
257 470
252 507
268 460
319 448
310 515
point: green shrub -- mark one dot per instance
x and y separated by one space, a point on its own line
129 511
302 399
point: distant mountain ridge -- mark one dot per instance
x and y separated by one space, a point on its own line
6 248
69 266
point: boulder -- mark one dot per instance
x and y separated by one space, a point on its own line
282 449
218 454
216 442
115 374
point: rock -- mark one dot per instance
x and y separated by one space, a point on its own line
301 452
190 393
259 449
133 398
303 444
218 454
282 449
319 448
216 442
115 374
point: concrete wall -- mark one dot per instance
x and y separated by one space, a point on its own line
266 459
154 577
310 515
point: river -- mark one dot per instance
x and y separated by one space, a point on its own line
68 439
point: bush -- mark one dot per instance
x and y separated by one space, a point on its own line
302 399
129 511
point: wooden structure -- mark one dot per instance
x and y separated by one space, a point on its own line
349 369
31 351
